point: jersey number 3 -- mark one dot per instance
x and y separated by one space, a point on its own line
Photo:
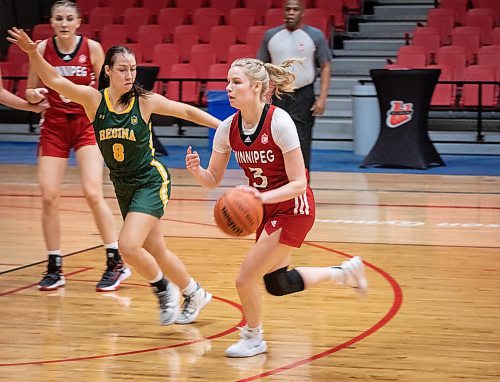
260 179
118 152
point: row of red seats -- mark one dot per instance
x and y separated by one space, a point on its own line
460 8
466 95
427 39
348 6
191 91
220 37
445 22
205 18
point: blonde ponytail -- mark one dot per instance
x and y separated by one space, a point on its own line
277 76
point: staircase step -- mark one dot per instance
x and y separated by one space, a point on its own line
395 10
337 53
388 27
373 44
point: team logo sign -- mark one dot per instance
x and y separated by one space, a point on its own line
82 58
264 139
133 120
399 114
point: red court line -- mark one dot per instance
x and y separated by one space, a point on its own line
131 352
398 300
317 203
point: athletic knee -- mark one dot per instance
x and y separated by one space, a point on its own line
128 249
93 197
282 282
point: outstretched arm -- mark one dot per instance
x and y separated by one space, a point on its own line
157 104
11 100
82 94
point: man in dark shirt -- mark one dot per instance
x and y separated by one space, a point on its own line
296 39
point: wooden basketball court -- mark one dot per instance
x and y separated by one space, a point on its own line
431 245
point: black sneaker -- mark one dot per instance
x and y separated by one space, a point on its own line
51 281
112 278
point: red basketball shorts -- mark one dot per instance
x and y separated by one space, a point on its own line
60 134
295 217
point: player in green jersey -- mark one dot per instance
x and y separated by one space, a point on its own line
121 115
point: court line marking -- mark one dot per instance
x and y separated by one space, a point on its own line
397 302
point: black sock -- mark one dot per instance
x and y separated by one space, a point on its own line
160 286
113 257
55 264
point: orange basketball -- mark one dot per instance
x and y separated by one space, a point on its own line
238 212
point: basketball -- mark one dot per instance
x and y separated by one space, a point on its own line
238 212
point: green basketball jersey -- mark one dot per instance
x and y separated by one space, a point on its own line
125 139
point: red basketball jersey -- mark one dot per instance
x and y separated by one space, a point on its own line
257 154
76 67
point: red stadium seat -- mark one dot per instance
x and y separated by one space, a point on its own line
274 17
114 34
221 37
470 92
225 6
169 18
455 56
100 17
482 18
189 5
460 7
318 19
201 59
412 56
430 42
255 35
155 5
444 94
133 18
259 6
470 37
445 24
120 6
186 36
205 19
239 51
189 90
242 19
216 71
335 11
147 37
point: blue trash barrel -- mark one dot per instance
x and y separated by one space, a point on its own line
219 107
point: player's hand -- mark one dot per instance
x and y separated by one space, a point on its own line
36 96
251 190
192 160
22 40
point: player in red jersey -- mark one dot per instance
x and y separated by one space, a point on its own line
266 146
65 126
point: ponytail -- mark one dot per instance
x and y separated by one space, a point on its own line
277 77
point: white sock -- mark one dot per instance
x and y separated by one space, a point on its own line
191 288
337 275
113 245
56 252
158 277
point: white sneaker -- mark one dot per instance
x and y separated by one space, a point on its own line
355 275
192 306
169 304
251 343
